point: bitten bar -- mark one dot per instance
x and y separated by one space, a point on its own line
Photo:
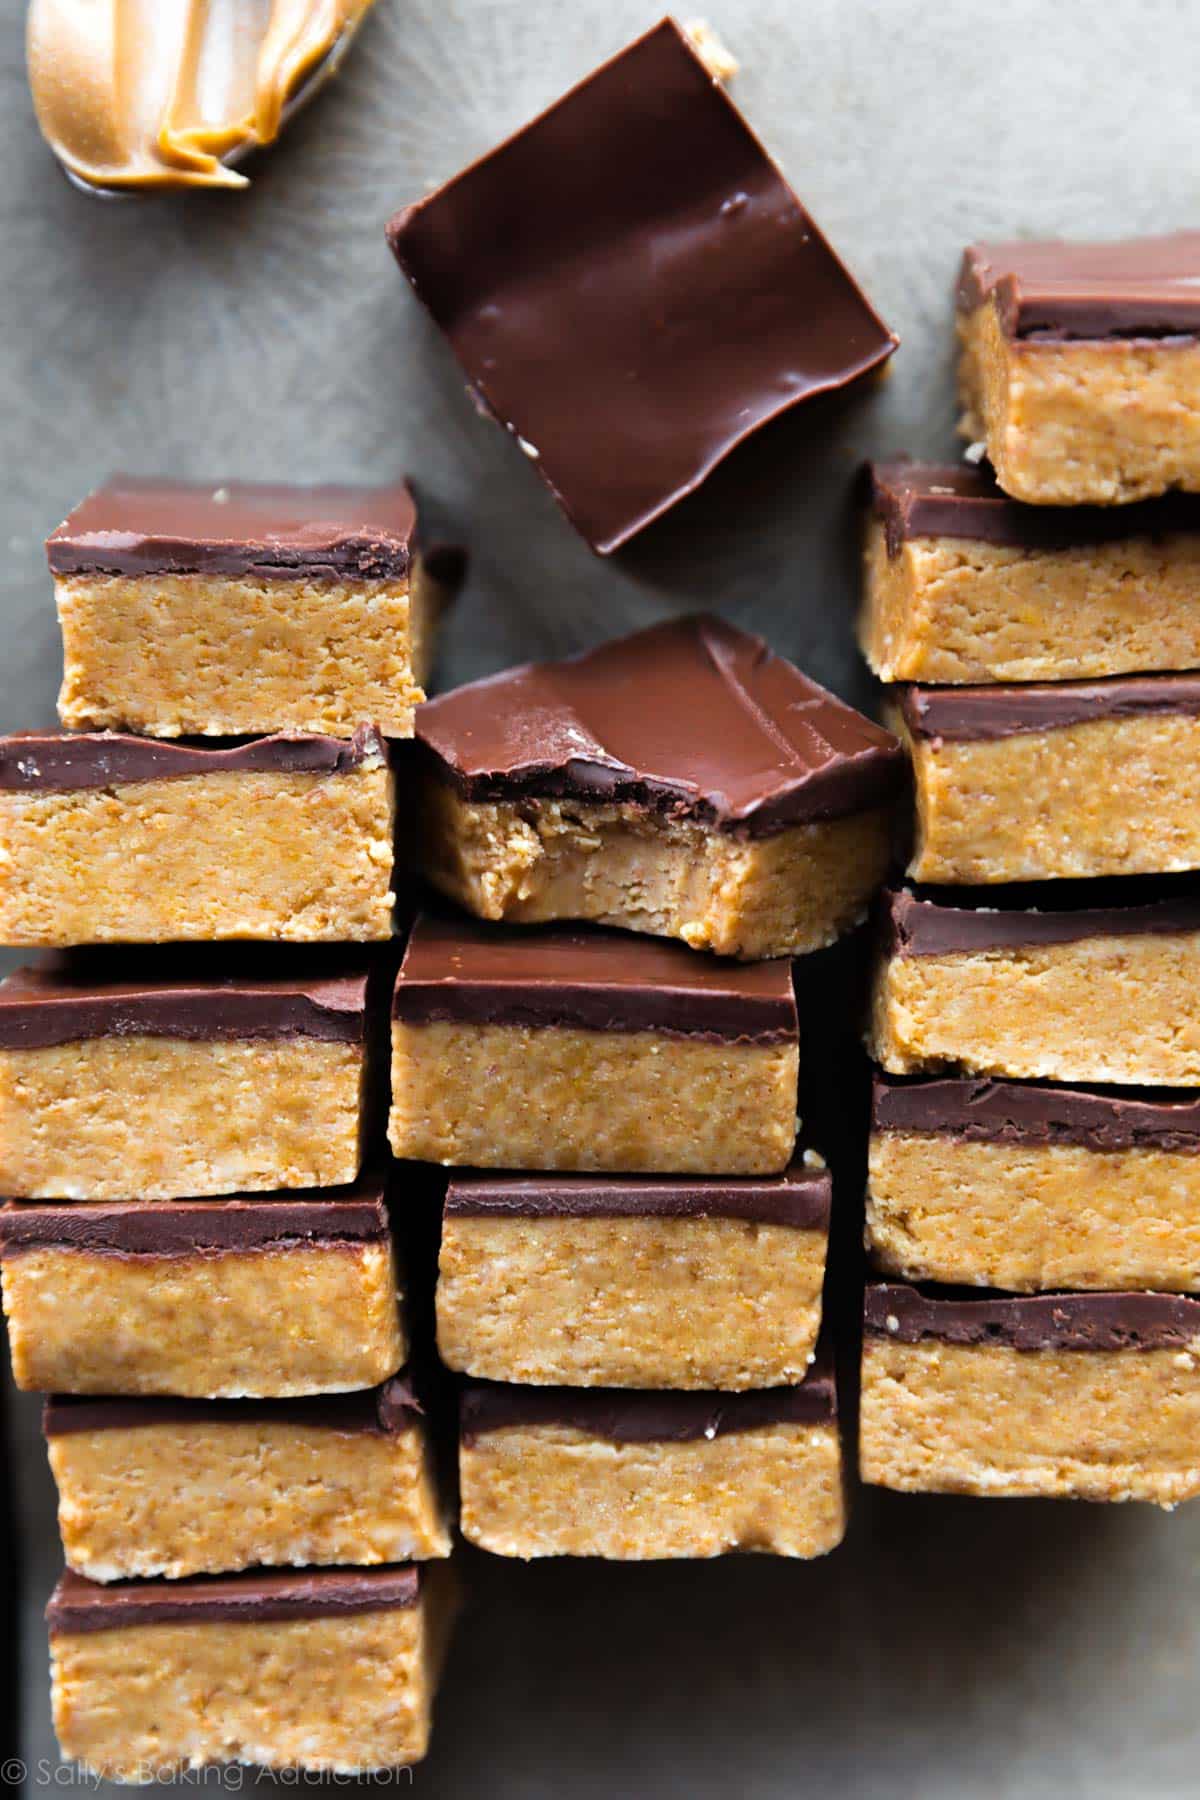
556 1049
146 1075
210 1298
1083 1396
683 781
202 1487
654 1283
113 839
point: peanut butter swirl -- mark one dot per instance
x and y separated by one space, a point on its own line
138 94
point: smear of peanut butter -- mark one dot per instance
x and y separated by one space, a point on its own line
162 93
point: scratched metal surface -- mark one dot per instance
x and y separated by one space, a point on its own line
950 1648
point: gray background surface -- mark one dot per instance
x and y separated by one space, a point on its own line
950 1648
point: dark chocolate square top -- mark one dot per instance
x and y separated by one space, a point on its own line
169 993
800 1197
1137 287
462 971
136 526
254 1598
632 288
692 717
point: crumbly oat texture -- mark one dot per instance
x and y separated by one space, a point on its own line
225 855
1030 1216
954 611
1103 797
171 655
992 1420
556 1491
522 1097
628 866
207 1497
1083 422
1118 1009
313 1319
157 1118
333 1694
629 1302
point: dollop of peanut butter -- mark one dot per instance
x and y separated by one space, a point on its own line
168 93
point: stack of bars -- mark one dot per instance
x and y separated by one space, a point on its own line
196 1267
633 1249
1043 618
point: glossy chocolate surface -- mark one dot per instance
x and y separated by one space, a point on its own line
79 1605
143 526
979 1110
915 926
632 288
1126 1321
197 1227
800 1197
67 762
982 715
157 992
1136 287
956 500
693 718
647 1416
463 971
391 1408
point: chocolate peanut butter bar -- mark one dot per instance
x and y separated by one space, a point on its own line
1022 1186
652 1283
964 585
1040 990
1054 779
632 288
1081 1396
147 1075
328 1670
205 1299
239 609
683 781
588 1050
113 839
202 1487
634 1476
1080 369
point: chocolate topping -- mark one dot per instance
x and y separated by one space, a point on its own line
1134 1321
198 1227
463 971
78 1604
65 762
632 288
1023 1112
692 718
389 1409
135 526
642 1416
1141 287
954 500
90 994
800 1197
980 715
919 927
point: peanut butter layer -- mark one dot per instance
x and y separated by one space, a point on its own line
1077 780
214 1299
1092 997
950 608
531 861
991 1419
332 1671
113 840
654 1285
181 1487
636 1477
